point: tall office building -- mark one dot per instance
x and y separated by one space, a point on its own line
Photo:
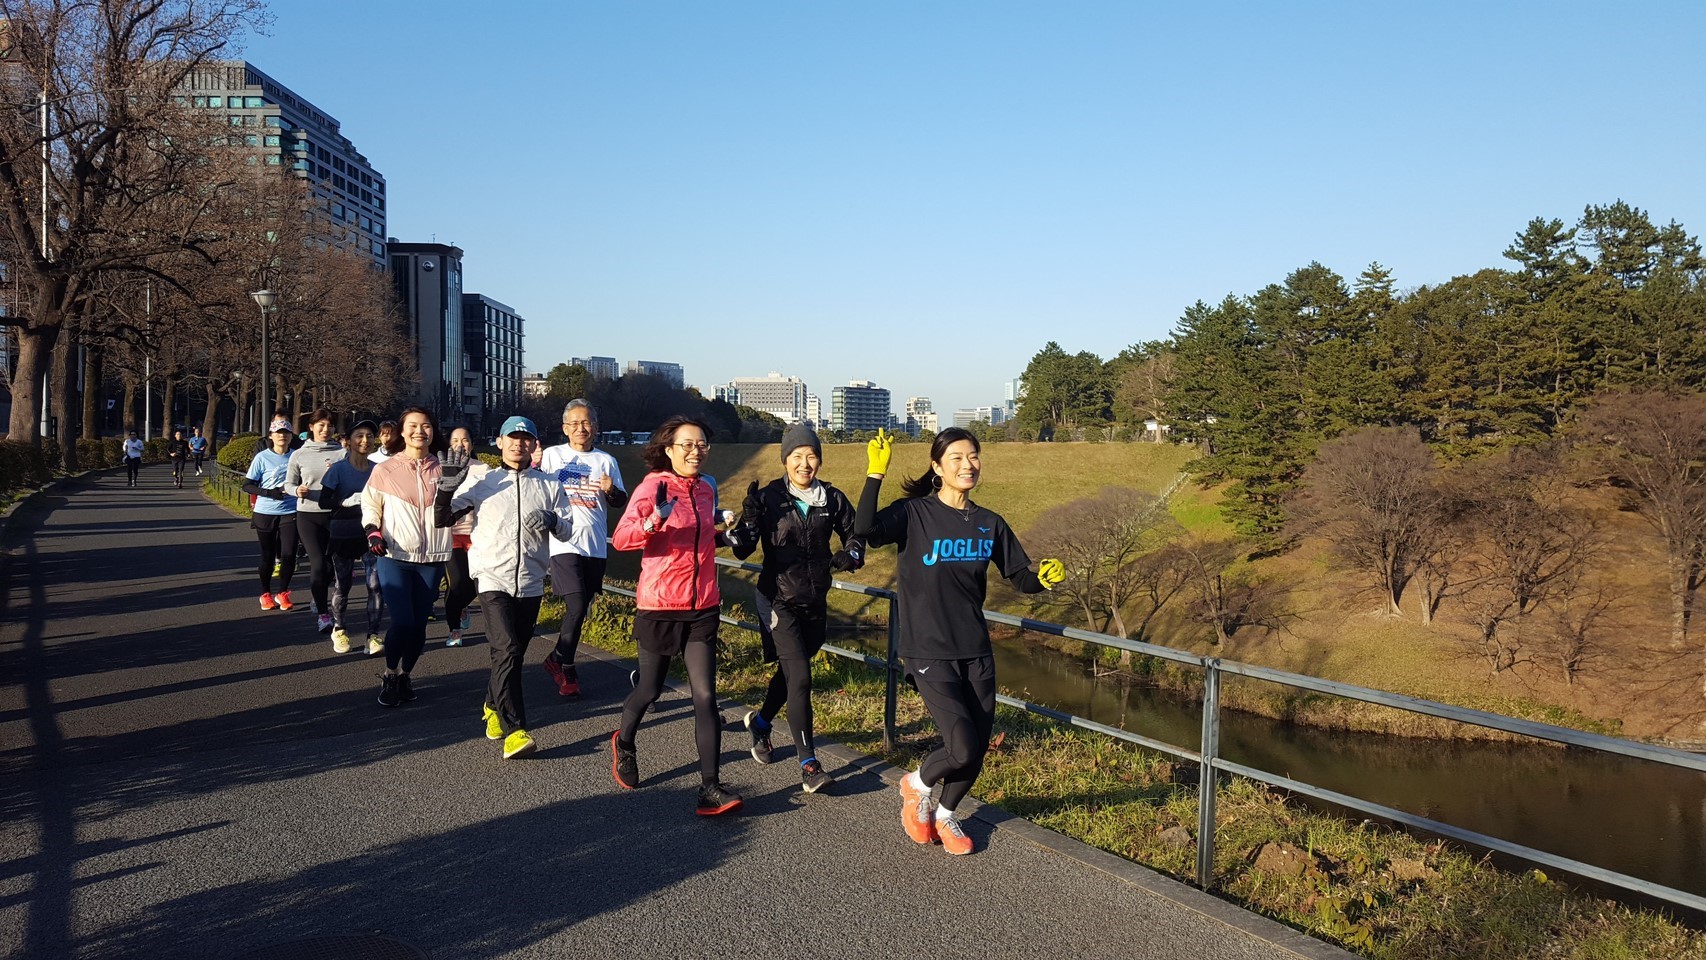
597 368
814 411
428 278
861 405
492 350
1014 395
779 396
669 371
966 416
916 408
285 130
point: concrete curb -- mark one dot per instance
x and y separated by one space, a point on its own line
1187 897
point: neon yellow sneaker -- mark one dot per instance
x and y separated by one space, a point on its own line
340 641
518 744
494 727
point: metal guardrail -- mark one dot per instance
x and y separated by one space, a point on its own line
1211 764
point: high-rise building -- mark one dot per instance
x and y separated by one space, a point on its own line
492 350
669 371
966 416
861 405
285 130
1013 396
779 396
725 393
814 411
597 368
428 278
916 408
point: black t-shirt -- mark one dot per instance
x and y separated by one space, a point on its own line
944 557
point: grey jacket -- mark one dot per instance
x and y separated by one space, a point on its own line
308 464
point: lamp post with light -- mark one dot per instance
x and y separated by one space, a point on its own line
267 300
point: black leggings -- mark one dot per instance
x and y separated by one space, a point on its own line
463 589
315 532
701 659
964 711
792 685
277 535
131 465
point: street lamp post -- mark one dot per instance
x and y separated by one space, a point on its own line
267 300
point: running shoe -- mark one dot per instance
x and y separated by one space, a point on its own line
953 836
340 640
714 798
760 731
518 744
283 598
574 688
560 677
454 640
375 644
624 765
916 812
467 620
267 602
389 696
277 568
405 688
813 779
494 726
323 623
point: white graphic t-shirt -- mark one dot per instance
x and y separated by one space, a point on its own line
582 475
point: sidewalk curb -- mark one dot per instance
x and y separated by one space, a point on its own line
1187 897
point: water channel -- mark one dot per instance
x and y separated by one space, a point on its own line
1633 816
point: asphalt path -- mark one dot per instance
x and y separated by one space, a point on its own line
185 775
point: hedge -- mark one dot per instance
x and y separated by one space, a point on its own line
24 464
238 451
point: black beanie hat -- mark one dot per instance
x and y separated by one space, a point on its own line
800 435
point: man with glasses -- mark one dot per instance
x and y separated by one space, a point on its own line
593 485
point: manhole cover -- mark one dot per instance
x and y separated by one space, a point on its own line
359 946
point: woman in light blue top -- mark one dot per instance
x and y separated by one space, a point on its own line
274 517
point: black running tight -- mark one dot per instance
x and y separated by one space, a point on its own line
463 588
964 711
315 532
278 545
701 659
792 685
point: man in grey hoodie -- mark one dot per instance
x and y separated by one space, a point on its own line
308 466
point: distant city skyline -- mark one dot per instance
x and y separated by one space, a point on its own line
924 195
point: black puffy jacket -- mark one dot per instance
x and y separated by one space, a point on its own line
797 550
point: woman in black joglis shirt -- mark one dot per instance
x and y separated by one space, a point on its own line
946 544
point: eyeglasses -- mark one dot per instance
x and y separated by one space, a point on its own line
688 446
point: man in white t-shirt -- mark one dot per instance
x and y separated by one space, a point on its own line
593 484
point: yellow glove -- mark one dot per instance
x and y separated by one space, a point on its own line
877 453
1049 573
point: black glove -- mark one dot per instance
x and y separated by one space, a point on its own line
662 510
753 505
375 542
453 464
850 557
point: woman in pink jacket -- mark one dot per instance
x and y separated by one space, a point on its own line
672 519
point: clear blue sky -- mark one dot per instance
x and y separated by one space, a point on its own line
924 193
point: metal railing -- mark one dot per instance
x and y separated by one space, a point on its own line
1211 765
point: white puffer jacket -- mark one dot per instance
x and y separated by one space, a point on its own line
506 556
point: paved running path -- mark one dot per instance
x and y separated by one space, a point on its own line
183 775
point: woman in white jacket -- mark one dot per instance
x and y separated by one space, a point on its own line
514 510
397 514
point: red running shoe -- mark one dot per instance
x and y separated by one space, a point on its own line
917 812
283 598
267 602
624 765
567 683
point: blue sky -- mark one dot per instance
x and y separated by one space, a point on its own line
923 194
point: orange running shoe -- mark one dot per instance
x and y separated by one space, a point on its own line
283 598
953 836
267 601
916 811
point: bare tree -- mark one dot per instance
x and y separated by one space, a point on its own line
1103 541
1577 627
118 140
1531 547
1225 596
1653 446
1374 494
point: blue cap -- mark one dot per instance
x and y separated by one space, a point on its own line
519 425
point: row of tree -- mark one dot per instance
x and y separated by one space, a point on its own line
136 228
638 402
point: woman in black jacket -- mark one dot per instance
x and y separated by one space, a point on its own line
793 519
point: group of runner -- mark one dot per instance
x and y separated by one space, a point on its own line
428 511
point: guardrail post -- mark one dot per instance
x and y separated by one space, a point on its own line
1206 772
891 679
